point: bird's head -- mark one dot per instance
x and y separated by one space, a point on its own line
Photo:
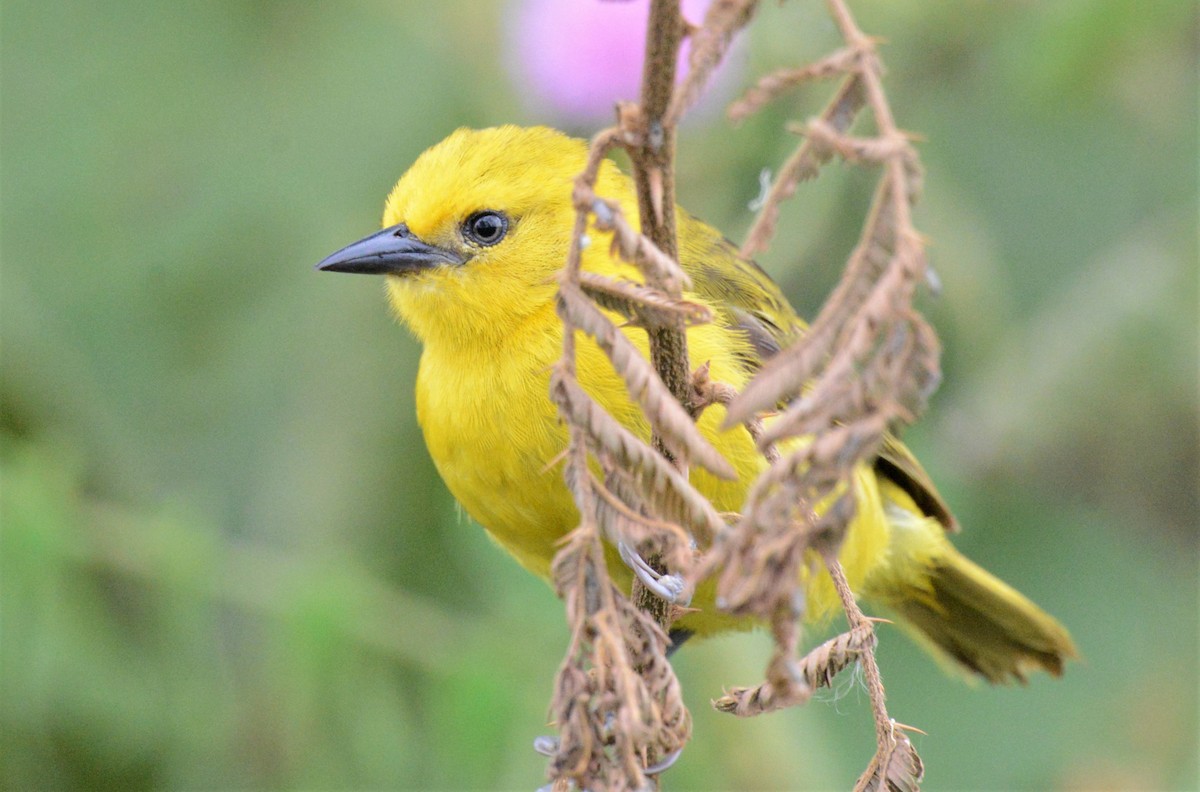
475 230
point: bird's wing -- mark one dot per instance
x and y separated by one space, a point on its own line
745 297
897 464
748 300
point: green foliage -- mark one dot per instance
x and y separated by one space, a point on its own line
226 560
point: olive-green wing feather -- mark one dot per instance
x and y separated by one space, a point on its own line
747 299
897 464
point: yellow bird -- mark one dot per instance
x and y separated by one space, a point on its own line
472 237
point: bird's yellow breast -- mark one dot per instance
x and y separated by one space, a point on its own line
494 436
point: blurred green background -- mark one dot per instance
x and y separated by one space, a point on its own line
227 561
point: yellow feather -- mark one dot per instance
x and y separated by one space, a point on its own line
490 335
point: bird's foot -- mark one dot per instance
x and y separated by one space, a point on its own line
672 588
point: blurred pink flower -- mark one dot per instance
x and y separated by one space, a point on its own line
573 60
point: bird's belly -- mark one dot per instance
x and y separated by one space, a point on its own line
498 450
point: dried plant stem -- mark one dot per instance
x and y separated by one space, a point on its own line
868 361
652 152
896 765
617 702
854 615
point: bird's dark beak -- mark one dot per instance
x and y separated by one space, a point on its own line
393 250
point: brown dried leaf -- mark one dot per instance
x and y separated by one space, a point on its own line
638 249
835 328
896 768
709 43
641 305
823 663
772 86
872 150
667 417
746 702
617 701
623 514
791 683
801 165
758 561
657 476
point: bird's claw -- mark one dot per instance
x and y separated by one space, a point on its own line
546 745
672 588
665 763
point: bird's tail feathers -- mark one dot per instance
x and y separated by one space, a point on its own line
963 611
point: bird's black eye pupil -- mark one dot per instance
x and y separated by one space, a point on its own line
486 228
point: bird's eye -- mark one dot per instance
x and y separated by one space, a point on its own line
485 228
